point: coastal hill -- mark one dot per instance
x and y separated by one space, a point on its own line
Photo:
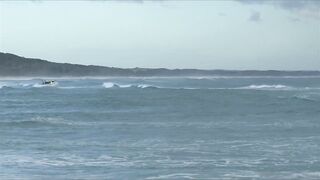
16 66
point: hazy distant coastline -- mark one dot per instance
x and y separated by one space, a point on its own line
16 66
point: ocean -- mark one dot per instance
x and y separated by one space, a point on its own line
220 128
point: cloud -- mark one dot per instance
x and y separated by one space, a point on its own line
307 8
255 16
294 19
121 1
128 1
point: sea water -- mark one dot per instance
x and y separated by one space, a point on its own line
161 128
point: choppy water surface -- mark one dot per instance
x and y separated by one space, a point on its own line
161 128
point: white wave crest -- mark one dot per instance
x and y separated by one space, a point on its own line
25 85
2 85
109 85
114 85
267 87
76 87
144 86
174 176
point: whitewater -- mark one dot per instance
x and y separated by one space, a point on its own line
160 128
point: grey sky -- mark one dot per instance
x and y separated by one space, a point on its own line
241 34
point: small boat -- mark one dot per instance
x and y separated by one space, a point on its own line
48 82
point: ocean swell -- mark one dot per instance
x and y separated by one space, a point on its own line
42 121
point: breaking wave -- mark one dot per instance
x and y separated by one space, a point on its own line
114 85
268 87
249 87
25 85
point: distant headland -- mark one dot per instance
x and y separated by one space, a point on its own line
16 66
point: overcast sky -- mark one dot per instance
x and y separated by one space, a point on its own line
240 34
